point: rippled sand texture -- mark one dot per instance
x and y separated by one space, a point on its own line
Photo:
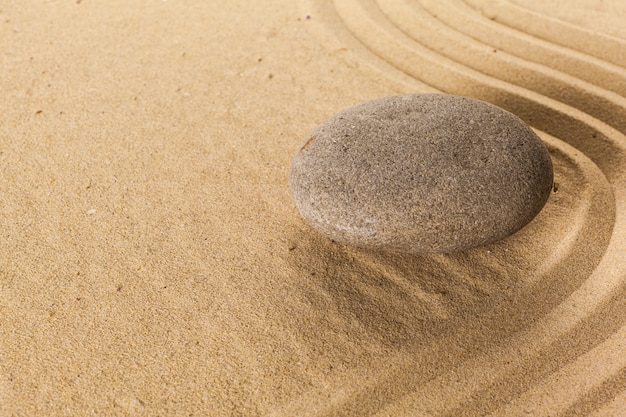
535 325
152 262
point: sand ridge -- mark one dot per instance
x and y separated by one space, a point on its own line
153 263
370 23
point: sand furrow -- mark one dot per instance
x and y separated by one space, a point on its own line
152 261
413 20
600 45
563 389
537 343
614 407
503 371
596 139
455 279
469 21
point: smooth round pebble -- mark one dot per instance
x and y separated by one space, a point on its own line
421 173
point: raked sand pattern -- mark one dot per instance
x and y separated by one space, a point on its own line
152 261
544 354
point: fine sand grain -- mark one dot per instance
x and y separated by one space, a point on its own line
152 261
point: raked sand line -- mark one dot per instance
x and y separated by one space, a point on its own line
599 159
560 392
458 15
332 32
419 25
508 293
504 373
616 407
603 144
600 45
605 17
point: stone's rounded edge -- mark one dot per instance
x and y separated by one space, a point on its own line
335 212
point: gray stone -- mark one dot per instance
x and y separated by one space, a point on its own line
421 174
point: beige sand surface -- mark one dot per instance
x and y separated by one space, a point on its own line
152 262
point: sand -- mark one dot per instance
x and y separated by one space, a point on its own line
152 261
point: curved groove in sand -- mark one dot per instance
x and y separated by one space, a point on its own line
368 23
541 326
600 45
458 15
556 389
419 25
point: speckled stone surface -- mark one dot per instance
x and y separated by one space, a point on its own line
421 173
